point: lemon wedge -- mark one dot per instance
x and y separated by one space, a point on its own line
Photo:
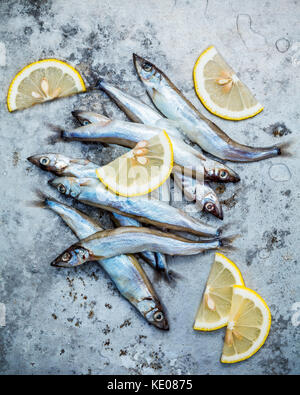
248 325
220 90
42 81
141 170
215 306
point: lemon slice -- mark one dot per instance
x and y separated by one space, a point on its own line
140 170
220 90
42 81
215 306
248 325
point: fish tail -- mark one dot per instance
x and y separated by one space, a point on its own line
57 134
223 228
169 276
42 201
98 84
283 149
172 276
226 243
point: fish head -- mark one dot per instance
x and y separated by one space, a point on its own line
68 186
87 117
150 75
209 201
157 317
73 256
221 173
56 163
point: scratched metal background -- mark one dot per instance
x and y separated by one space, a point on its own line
73 321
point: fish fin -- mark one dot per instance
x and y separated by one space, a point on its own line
58 131
283 149
87 182
224 227
172 276
226 243
42 198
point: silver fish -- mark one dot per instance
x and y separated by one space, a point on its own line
155 259
204 196
62 165
171 102
126 240
136 110
128 134
124 270
65 166
149 211
213 170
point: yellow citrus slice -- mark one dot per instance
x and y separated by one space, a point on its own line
248 325
220 90
140 170
215 306
42 81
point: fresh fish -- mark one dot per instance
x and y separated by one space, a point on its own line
131 240
205 197
137 111
65 166
213 170
92 192
140 112
124 270
171 102
128 134
86 117
155 259
62 165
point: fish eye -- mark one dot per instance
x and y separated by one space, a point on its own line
85 122
158 316
209 206
223 174
44 161
61 188
147 66
66 257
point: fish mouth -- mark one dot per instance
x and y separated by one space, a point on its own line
52 183
235 177
138 61
217 211
34 159
55 264
76 114
164 325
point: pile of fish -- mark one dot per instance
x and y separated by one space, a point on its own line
145 227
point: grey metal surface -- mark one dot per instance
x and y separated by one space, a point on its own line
73 321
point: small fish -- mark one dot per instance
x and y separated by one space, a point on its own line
129 134
136 110
155 259
140 112
205 197
124 270
64 166
125 240
93 192
171 102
